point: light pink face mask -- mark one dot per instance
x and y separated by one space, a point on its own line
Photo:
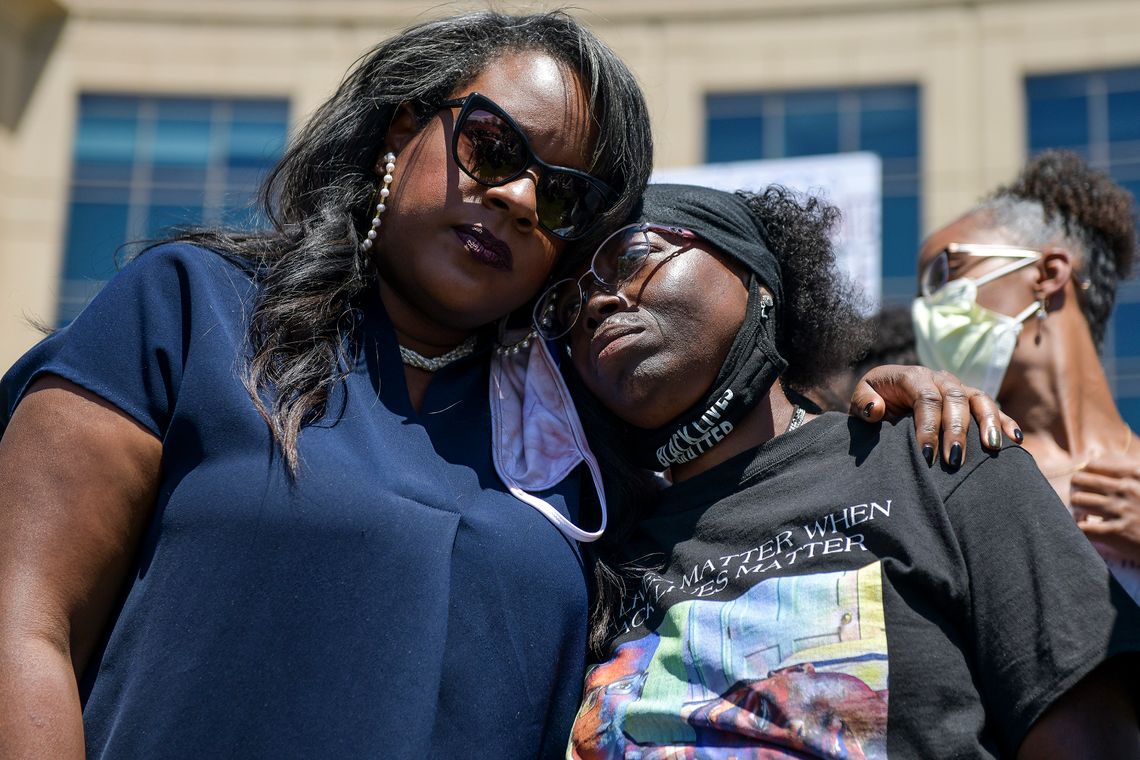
536 437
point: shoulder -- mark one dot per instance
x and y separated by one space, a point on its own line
172 306
182 269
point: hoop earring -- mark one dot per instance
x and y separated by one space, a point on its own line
381 199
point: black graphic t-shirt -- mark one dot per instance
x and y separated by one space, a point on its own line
830 595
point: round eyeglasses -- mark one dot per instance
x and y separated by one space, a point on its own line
616 262
936 273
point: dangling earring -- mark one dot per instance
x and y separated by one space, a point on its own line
381 199
1041 312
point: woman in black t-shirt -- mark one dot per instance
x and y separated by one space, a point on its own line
808 587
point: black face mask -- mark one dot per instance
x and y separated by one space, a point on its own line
749 370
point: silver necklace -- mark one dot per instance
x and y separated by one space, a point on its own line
797 418
436 363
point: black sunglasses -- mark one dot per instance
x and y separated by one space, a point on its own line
493 150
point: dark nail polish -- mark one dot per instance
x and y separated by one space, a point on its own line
867 409
955 455
1018 435
993 438
928 454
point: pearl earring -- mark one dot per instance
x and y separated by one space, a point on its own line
381 199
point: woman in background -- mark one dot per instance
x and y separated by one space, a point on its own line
1015 297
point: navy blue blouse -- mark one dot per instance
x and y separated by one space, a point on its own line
394 601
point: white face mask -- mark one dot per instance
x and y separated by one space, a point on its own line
953 333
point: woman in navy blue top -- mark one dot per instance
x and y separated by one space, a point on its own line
350 579
248 506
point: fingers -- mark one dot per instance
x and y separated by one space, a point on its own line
1085 480
866 403
985 411
1115 534
1011 428
1095 504
955 418
1113 467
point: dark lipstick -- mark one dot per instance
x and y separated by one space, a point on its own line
484 247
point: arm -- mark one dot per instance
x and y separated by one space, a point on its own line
941 405
1094 719
78 480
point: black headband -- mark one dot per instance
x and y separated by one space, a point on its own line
720 218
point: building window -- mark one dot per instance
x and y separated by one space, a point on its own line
1097 114
143 165
884 120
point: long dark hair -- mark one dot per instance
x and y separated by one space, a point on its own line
821 332
318 198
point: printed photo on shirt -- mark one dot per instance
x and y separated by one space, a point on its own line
795 665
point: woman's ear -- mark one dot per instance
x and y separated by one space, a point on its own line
1055 270
403 128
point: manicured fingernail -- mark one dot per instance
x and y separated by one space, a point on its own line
955 455
928 454
867 409
993 438
1018 435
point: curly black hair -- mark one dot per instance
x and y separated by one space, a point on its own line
1059 199
821 330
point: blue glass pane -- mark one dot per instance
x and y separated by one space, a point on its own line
241 195
108 106
890 133
810 134
902 97
184 109
901 177
86 172
901 237
1127 338
734 106
94 232
246 179
106 140
1130 409
185 143
1058 122
256 144
1121 80
734 139
1056 86
163 220
1124 115
243 218
186 176
273 111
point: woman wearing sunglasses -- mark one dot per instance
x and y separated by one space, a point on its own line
247 498
1015 297
809 586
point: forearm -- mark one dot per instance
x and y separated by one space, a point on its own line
41 717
